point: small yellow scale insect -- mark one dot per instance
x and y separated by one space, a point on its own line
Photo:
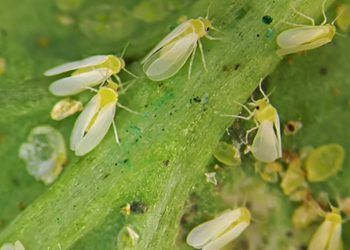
267 145
217 233
87 73
306 37
168 57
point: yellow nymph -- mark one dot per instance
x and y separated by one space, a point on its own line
267 145
217 233
306 37
168 57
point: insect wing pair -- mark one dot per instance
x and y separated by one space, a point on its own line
217 233
328 234
89 73
94 122
267 146
169 56
306 37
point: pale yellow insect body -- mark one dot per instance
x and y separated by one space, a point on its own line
328 234
87 73
168 57
217 233
267 145
305 37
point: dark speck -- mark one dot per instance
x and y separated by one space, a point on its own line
138 207
160 84
303 247
267 19
323 71
106 175
163 129
237 66
116 164
289 234
257 35
166 163
126 161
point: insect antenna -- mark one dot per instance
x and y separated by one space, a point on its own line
208 10
124 49
324 12
336 18
303 15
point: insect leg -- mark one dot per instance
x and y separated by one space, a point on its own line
92 89
303 15
191 61
130 73
203 57
244 106
248 133
213 38
125 87
239 116
127 109
118 79
115 133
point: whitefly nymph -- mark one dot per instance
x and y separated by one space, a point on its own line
267 145
87 73
168 57
216 233
306 37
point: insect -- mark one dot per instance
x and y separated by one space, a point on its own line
217 233
168 57
16 246
266 146
306 37
94 122
328 234
88 72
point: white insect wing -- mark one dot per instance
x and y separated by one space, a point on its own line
98 130
278 133
162 66
320 238
335 239
87 62
83 121
299 36
227 237
265 146
206 232
170 37
77 83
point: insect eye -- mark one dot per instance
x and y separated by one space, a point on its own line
257 107
208 29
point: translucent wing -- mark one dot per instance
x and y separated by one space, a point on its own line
265 146
206 232
169 60
335 242
227 237
304 38
321 236
77 83
299 36
90 61
278 133
170 37
83 121
98 130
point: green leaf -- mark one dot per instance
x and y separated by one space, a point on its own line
164 150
